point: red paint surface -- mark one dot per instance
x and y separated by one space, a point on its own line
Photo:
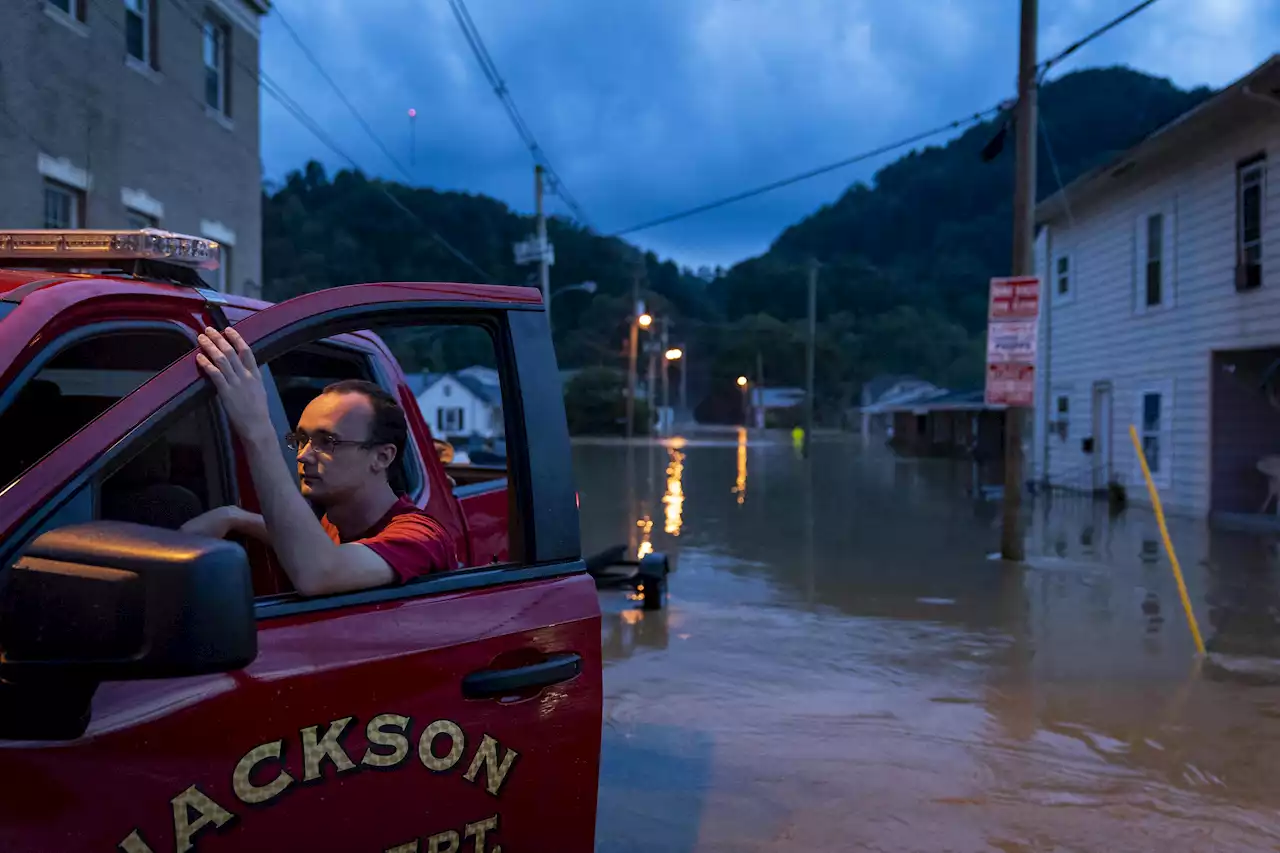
151 740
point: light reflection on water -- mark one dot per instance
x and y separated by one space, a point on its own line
840 666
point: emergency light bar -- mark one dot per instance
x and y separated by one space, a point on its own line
150 244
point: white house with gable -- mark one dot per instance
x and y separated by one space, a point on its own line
462 404
1161 310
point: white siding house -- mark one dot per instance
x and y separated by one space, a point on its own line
1161 309
459 405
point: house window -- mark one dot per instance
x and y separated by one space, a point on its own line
138 31
1154 267
1063 275
63 206
216 37
1152 421
1249 179
138 220
1064 415
449 421
74 8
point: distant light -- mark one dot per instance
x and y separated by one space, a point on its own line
742 382
413 113
674 354
645 320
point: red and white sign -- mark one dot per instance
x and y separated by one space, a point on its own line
1014 298
1013 314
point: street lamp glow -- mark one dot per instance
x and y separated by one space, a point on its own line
674 354
645 320
742 382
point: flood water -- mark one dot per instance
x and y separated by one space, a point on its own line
840 665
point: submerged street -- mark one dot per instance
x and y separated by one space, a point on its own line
840 666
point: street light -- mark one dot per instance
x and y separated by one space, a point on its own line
674 354
746 405
742 382
645 320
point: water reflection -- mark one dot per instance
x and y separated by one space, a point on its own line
848 617
740 485
673 500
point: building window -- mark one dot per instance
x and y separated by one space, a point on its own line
1059 426
74 8
1154 267
138 30
1063 275
63 206
1249 180
216 37
1152 419
449 421
138 221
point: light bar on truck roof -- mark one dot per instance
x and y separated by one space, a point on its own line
75 244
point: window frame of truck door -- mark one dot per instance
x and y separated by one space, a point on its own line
516 329
225 488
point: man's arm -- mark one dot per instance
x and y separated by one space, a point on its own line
314 563
222 521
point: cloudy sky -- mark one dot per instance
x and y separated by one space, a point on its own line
646 107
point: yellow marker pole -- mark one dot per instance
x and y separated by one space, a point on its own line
1168 543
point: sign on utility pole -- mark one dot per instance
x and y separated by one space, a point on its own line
1024 228
537 249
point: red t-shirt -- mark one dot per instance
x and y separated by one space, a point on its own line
412 542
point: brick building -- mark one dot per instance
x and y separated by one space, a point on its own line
128 113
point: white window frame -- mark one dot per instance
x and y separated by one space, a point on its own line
1163 475
1168 260
1061 414
76 206
145 11
446 423
222 107
1246 174
73 17
1055 278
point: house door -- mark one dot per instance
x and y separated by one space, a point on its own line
1101 435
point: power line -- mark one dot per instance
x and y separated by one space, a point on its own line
1072 48
812 173
499 86
295 109
279 13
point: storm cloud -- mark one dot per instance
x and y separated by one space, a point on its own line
646 107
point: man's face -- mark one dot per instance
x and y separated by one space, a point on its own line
330 475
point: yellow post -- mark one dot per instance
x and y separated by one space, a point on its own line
1168 543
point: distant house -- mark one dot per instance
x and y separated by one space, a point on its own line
1162 311
882 393
462 404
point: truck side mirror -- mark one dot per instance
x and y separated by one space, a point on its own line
114 601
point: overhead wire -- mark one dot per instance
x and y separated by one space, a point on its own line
812 173
1076 45
277 93
499 86
293 34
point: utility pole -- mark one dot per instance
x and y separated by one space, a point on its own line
651 346
631 354
544 271
757 397
810 347
684 381
666 376
1024 225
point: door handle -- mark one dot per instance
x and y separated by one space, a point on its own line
488 683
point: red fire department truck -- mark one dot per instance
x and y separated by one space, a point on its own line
164 692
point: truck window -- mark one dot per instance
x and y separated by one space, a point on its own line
301 374
76 382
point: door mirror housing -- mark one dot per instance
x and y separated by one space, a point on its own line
113 601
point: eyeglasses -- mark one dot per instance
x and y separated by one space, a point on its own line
322 443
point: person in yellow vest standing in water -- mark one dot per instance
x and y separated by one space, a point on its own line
797 438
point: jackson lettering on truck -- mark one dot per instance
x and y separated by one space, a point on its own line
507 655
263 774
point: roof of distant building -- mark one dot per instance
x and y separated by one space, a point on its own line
491 394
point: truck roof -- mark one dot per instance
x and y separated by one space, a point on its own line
17 283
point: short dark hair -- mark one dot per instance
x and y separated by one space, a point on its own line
389 424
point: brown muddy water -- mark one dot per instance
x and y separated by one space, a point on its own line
842 667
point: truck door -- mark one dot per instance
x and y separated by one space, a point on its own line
458 713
